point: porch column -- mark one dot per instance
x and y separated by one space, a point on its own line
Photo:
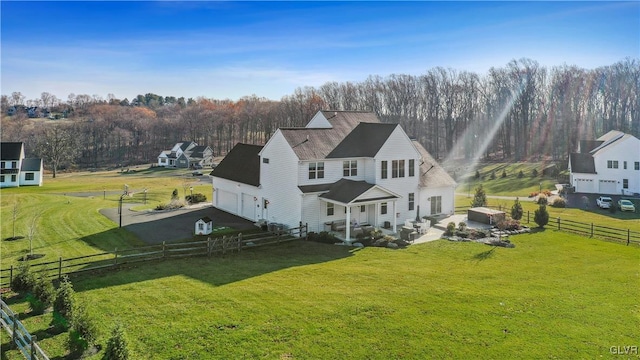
347 228
394 216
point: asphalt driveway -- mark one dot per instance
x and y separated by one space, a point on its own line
154 227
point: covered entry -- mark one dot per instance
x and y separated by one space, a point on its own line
363 203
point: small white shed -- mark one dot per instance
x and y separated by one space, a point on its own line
204 226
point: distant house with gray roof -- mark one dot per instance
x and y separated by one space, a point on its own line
186 154
344 166
607 165
15 169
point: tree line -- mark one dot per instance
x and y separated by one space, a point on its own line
516 112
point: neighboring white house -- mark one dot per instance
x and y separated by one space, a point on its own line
15 169
607 165
343 166
186 154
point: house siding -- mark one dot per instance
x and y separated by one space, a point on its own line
278 186
399 147
610 181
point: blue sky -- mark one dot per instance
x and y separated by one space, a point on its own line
233 49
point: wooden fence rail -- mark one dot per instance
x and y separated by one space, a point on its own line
626 236
113 259
20 337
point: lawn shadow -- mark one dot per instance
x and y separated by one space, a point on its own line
484 255
14 238
217 270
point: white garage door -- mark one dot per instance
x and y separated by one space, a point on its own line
248 207
584 186
227 201
607 187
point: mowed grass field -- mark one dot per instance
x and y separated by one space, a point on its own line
68 225
554 295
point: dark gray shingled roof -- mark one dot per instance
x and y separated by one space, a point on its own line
582 163
587 145
242 164
31 164
317 143
364 141
431 173
10 150
346 191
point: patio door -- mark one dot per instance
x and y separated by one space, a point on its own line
436 205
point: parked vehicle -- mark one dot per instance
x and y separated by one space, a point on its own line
197 173
626 205
604 202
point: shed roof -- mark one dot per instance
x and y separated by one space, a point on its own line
31 164
431 173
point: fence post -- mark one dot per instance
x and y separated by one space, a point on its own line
33 347
239 242
591 229
209 246
628 236
11 276
527 216
115 256
14 336
164 250
306 231
558 222
60 268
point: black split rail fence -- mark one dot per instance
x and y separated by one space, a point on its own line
118 257
619 235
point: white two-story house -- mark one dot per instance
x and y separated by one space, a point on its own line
343 166
186 154
607 165
15 169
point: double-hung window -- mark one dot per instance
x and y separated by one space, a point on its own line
397 168
316 170
350 168
383 169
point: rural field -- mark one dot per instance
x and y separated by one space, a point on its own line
555 295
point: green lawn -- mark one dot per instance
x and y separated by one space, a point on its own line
71 226
554 295
511 185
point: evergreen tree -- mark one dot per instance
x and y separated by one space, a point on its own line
516 210
480 197
541 216
117 345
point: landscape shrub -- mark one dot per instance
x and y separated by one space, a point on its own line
477 176
117 345
451 228
462 226
534 173
24 279
323 237
541 216
516 210
504 174
509 224
174 194
174 204
196 198
520 175
542 199
493 175
462 234
559 202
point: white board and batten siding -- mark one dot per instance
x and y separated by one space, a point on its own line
249 206
313 210
279 187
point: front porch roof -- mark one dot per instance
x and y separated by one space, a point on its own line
350 192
